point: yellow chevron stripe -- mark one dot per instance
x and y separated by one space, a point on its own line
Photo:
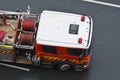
59 58
3 52
0 51
63 59
50 57
74 60
6 52
10 52
83 61
80 62
55 58
70 60
77 62
46 57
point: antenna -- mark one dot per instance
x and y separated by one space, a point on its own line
28 9
18 11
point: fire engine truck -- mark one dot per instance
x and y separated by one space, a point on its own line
49 39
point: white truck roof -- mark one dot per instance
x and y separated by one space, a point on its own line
64 29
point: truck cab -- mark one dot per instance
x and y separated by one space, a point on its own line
63 40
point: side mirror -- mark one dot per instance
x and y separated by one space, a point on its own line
80 57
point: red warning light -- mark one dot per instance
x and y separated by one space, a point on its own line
83 18
80 40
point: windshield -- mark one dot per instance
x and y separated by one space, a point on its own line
74 52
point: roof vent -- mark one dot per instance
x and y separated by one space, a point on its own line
73 29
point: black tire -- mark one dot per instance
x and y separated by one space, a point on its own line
63 66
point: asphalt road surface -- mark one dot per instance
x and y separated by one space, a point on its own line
105 63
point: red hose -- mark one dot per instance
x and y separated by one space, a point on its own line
28 25
26 39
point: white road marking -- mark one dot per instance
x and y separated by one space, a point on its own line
103 3
17 67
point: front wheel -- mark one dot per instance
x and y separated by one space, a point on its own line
63 67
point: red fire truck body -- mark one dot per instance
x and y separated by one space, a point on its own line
51 39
